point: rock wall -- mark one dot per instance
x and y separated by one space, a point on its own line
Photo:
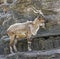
12 11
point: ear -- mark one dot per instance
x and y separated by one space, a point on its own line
39 16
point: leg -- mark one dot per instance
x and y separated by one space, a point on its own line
11 50
29 45
11 43
14 46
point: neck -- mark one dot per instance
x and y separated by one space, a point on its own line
34 28
34 22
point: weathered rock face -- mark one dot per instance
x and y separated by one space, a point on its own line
12 11
9 1
1 1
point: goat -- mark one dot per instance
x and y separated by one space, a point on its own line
24 30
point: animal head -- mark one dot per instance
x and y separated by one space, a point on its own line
40 21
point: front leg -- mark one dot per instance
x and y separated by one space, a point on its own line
29 45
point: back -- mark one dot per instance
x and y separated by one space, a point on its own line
19 26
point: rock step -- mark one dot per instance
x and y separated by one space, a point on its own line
35 54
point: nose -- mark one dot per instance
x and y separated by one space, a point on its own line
43 26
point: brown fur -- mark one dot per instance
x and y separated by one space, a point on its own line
23 31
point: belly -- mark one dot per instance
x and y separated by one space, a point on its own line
21 35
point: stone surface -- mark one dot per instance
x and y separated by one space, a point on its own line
12 11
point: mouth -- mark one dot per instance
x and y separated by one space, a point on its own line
43 27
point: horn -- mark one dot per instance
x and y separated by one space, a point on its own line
38 11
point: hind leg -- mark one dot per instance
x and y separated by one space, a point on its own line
11 43
11 50
14 46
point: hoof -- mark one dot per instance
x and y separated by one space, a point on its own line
15 51
12 52
29 49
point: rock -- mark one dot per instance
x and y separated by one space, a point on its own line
1 1
4 45
11 13
9 1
